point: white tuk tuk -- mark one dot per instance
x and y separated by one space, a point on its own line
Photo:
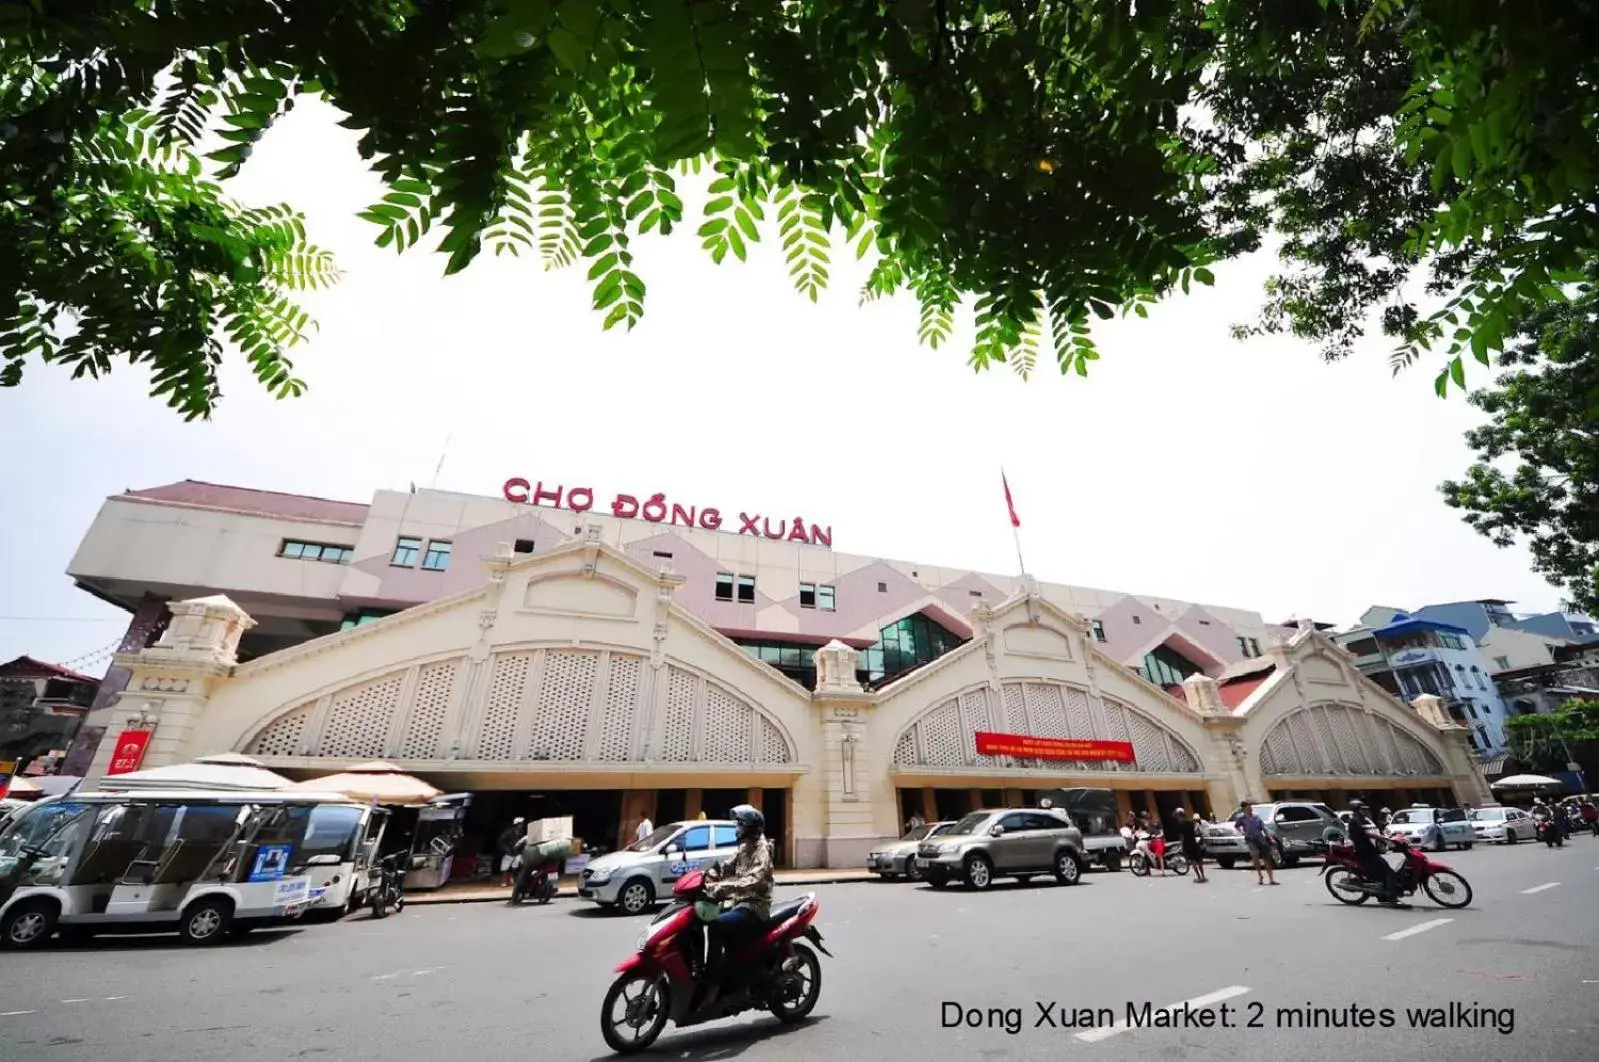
206 865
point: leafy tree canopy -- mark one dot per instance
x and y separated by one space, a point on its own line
1537 469
1047 161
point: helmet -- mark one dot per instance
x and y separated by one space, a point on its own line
751 823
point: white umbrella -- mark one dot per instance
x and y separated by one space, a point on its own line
224 777
1526 781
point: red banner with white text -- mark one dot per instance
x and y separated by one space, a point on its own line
1027 747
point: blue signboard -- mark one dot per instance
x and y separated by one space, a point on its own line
271 860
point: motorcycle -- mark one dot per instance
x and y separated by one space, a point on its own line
539 885
1349 882
772 970
1550 833
388 892
1143 859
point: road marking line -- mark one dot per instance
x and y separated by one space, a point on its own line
1539 888
15 1013
1097 1035
1422 928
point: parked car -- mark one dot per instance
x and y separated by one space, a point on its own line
1020 843
635 879
1298 828
1503 825
899 857
1434 828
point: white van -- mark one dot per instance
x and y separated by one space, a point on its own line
203 864
641 875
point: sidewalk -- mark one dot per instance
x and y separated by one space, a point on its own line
488 892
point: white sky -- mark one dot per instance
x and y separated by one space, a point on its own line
1250 475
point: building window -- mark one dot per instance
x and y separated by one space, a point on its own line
902 646
406 551
363 617
523 545
746 589
1098 630
438 557
1167 667
817 597
293 549
724 586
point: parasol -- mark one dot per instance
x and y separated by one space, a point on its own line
1528 781
377 782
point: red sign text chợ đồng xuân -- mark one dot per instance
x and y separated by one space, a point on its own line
656 510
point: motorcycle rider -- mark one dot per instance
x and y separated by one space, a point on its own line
1365 836
746 881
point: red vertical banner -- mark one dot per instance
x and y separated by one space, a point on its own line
129 752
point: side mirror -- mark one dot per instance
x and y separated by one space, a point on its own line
326 859
996 830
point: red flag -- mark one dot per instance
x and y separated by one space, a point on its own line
1015 521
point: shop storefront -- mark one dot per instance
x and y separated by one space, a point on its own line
573 684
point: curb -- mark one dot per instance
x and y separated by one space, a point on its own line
420 899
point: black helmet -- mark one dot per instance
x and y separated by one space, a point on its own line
751 823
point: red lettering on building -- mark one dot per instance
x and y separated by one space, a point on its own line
657 510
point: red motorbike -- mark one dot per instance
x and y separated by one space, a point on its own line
1350 883
770 971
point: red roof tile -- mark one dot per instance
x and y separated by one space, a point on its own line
28 667
192 493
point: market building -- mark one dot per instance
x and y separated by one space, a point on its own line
608 666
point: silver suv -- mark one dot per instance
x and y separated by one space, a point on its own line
1019 843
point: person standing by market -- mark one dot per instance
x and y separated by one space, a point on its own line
1261 856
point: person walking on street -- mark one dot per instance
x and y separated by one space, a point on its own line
1188 832
1261 856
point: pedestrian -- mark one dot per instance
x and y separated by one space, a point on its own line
644 829
1261 856
1188 831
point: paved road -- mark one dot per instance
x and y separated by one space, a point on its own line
486 982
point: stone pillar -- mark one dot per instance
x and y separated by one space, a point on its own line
146 624
860 806
1460 759
169 683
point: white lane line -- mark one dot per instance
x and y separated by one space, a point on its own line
1422 928
15 1013
1539 888
1097 1035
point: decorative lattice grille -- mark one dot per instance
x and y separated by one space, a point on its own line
621 707
773 748
945 740
566 701
727 727
282 736
905 748
681 692
435 686
359 718
507 685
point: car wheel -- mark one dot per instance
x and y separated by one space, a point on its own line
29 924
1068 867
636 897
207 921
979 872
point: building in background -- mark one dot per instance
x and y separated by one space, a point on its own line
42 706
1411 657
638 656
